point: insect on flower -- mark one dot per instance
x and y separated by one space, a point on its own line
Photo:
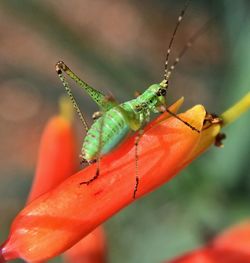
115 121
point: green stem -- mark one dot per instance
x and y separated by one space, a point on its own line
236 110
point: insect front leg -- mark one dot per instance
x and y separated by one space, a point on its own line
185 122
98 157
135 124
97 173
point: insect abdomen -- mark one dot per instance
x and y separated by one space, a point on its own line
111 128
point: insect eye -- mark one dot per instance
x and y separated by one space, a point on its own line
161 92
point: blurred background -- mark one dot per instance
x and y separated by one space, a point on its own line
119 47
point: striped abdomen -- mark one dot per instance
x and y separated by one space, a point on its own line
111 128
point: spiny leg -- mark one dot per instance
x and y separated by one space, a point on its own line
107 99
104 102
100 144
98 159
137 139
99 98
185 122
134 125
72 98
97 173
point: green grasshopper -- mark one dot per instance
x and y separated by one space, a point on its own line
115 120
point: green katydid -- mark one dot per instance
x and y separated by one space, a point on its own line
115 120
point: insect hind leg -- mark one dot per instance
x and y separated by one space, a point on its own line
60 68
97 173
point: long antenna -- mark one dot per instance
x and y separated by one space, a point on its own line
189 44
173 37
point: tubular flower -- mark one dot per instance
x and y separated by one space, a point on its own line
57 160
232 246
57 153
61 217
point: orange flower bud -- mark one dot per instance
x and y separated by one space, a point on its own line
60 218
57 161
57 156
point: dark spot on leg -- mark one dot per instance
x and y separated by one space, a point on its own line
93 178
136 186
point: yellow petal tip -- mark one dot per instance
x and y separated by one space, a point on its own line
195 116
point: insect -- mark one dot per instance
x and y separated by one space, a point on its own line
115 121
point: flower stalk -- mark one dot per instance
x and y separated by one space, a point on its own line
236 110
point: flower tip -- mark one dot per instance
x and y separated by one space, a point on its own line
199 109
2 260
195 116
176 106
181 99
